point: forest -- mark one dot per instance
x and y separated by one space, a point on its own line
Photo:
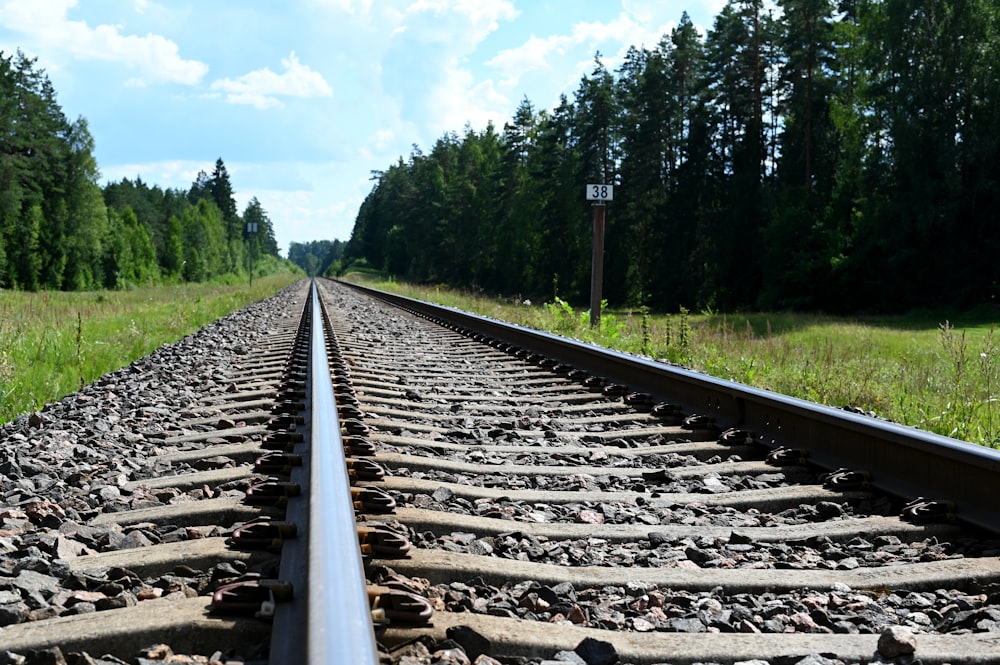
316 256
60 230
803 154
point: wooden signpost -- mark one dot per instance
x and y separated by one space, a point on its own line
600 195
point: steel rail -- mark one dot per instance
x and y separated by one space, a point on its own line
903 461
340 627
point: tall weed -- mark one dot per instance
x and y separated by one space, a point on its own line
972 378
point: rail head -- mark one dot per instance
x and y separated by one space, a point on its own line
340 626
900 460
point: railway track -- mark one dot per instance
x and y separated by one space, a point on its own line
118 501
512 509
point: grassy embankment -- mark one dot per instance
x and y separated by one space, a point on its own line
52 343
919 370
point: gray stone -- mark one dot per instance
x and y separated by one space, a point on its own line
474 643
80 608
135 540
698 555
13 613
596 652
481 547
31 582
688 625
846 627
455 656
896 641
35 564
850 563
829 509
656 538
442 494
817 659
115 603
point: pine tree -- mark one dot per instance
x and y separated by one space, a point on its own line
200 188
26 263
555 169
221 191
737 49
87 221
518 233
264 242
172 259
800 238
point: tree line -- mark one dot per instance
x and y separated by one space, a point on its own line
59 229
316 257
816 154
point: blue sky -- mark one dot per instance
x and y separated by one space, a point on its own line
303 99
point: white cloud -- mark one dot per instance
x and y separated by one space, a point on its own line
382 139
321 204
481 14
712 7
655 11
262 87
636 26
436 89
170 174
532 55
303 215
458 25
353 7
47 27
460 100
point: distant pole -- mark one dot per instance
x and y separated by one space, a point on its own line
251 231
600 195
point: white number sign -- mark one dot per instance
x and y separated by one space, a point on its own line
600 192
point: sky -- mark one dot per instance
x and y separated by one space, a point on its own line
304 99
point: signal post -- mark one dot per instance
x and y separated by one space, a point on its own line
600 195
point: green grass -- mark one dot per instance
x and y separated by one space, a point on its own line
920 370
53 343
